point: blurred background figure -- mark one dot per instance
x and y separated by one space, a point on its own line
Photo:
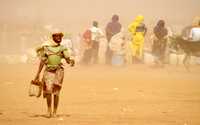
185 34
117 46
87 47
112 28
91 38
77 48
97 34
195 33
159 43
67 42
138 31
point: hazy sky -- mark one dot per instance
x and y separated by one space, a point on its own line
79 13
76 15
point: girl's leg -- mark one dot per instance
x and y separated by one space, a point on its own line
56 101
49 101
57 88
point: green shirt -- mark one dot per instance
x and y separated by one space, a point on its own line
52 55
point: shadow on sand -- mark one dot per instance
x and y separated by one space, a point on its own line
46 116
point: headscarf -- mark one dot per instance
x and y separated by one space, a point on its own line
58 34
138 20
159 30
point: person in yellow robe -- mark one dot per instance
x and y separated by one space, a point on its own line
138 30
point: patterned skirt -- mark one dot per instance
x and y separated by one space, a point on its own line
52 81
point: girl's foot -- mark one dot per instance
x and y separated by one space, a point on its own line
54 114
49 113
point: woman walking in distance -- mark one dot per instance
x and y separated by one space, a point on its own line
50 58
160 43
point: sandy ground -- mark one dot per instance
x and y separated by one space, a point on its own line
100 95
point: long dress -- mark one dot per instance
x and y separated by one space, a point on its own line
54 71
160 42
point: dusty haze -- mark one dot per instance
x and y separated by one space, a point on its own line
29 16
96 95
